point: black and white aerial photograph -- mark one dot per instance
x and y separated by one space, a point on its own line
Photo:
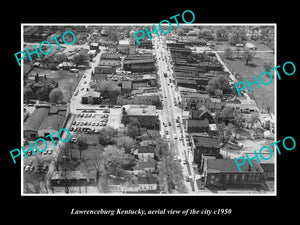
117 110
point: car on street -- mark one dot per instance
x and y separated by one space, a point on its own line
170 123
175 136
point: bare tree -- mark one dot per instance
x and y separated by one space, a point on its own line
248 56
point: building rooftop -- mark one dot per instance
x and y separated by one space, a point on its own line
146 149
206 142
53 122
139 110
147 179
198 123
142 165
36 119
229 165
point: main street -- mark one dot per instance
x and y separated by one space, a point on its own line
171 112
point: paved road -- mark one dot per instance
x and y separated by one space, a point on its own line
171 111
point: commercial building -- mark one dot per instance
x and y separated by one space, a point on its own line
91 97
143 65
44 121
224 172
145 114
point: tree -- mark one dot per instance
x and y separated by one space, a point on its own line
82 143
133 131
42 94
80 58
60 57
268 109
106 87
267 66
114 158
113 36
221 34
253 119
248 56
126 143
217 83
162 149
205 34
133 127
28 93
56 95
237 37
228 53
106 136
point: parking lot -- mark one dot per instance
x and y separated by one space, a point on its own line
91 121
40 161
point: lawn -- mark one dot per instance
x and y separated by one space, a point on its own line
264 96
67 81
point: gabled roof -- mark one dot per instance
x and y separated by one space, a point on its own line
198 113
146 149
142 165
227 112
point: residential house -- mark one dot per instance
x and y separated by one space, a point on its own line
145 153
41 82
226 115
202 113
142 167
147 182
224 172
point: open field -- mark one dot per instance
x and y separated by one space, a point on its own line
264 96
